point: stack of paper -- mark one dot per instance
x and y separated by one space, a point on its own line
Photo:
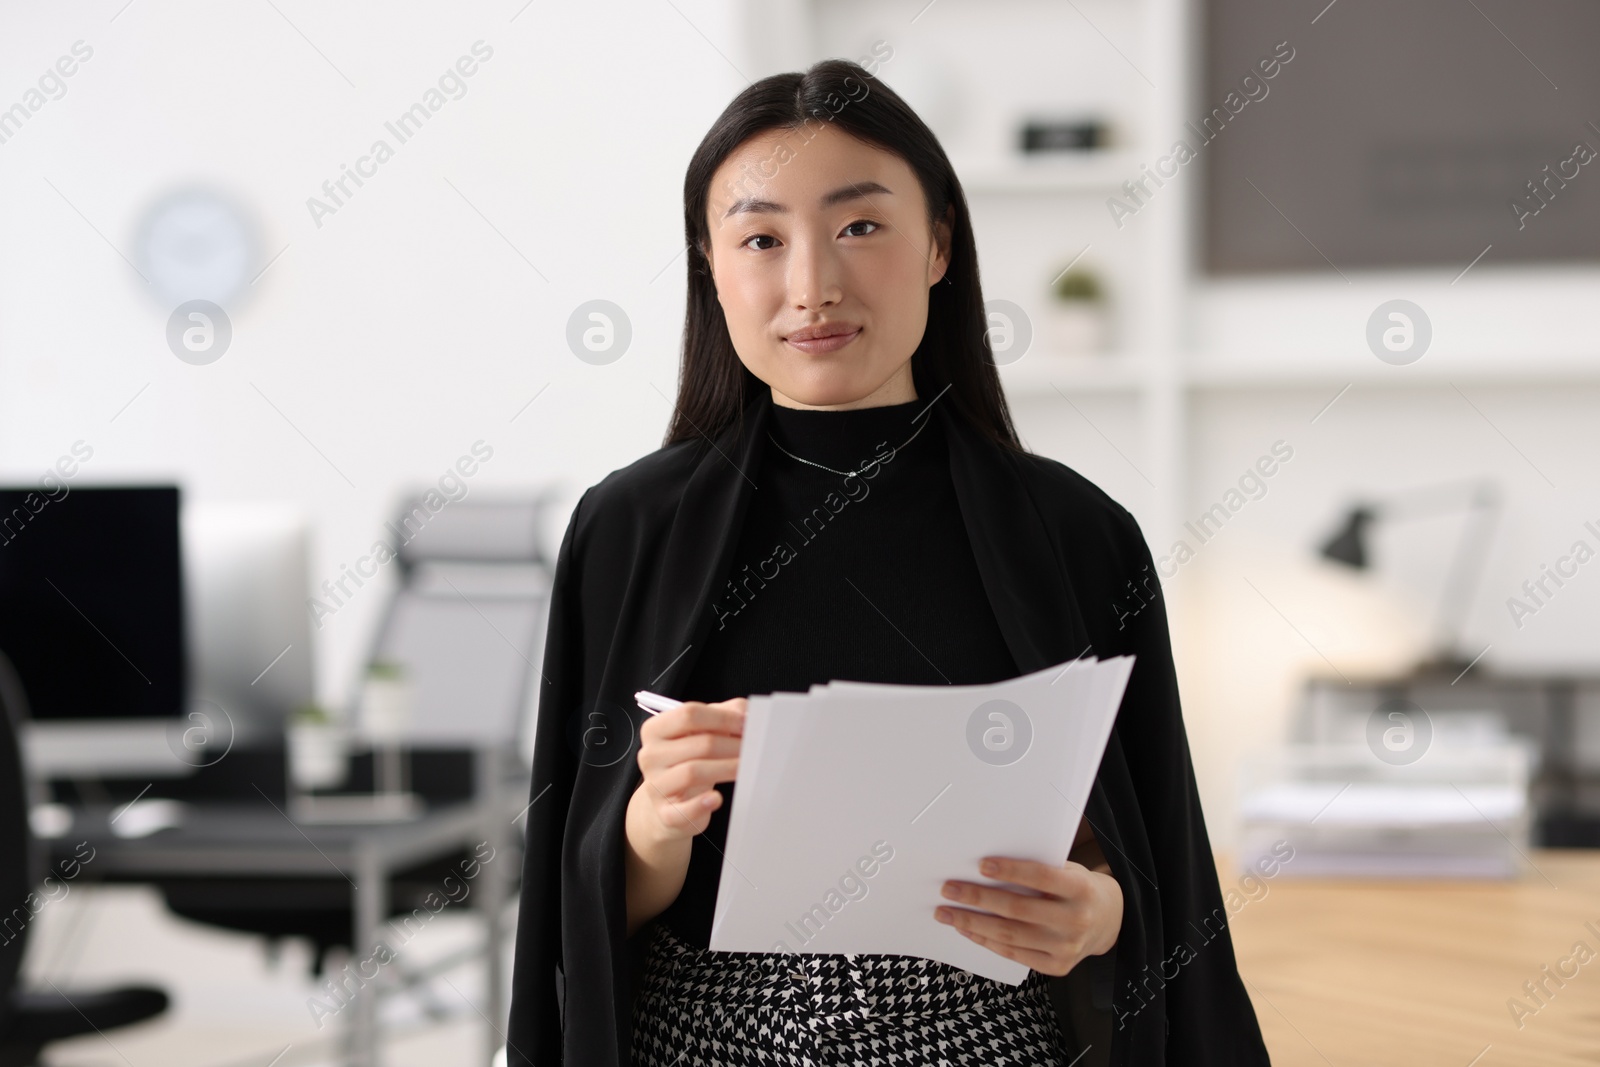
855 802
1461 810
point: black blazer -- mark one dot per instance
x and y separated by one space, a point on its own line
1068 573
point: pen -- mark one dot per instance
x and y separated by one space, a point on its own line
655 703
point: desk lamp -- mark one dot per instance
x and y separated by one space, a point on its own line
1481 500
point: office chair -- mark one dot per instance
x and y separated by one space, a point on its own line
467 621
31 1020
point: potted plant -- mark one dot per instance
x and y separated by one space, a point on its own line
385 703
385 722
1080 319
317 749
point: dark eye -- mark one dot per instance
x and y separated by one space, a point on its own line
758 237
861 222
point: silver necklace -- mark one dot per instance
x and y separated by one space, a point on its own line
844 474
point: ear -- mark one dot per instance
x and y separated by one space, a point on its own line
939 262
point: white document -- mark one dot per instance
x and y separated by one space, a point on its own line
855 802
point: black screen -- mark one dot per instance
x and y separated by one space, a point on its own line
91 599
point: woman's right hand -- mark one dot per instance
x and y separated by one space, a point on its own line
684 753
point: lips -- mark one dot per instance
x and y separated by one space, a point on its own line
821 330
824 337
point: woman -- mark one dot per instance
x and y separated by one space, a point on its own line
841 494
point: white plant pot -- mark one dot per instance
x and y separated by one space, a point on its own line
1079 326
318 755
386 710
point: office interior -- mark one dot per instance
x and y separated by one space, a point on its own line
291 428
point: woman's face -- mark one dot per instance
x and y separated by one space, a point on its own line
813 228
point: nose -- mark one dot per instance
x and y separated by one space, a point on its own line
815 279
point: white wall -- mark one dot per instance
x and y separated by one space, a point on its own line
402 329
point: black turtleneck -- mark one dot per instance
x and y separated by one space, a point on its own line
868 577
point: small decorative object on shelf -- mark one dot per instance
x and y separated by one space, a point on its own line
1041 136
317 749
1079 315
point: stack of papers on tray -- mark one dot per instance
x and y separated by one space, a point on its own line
855 802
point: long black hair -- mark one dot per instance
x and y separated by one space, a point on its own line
713 385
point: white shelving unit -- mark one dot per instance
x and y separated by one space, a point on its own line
1146 276
1094 173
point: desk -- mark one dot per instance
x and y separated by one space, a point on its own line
1415 974
241 839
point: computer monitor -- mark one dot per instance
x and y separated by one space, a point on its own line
91 616
92 593
246 583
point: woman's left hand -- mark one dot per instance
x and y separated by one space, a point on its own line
1079 915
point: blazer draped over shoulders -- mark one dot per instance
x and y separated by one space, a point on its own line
1068 573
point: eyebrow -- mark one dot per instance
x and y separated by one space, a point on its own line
853 191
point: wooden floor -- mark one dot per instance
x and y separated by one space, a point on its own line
1412 974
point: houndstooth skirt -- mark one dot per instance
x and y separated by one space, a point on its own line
698 1008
